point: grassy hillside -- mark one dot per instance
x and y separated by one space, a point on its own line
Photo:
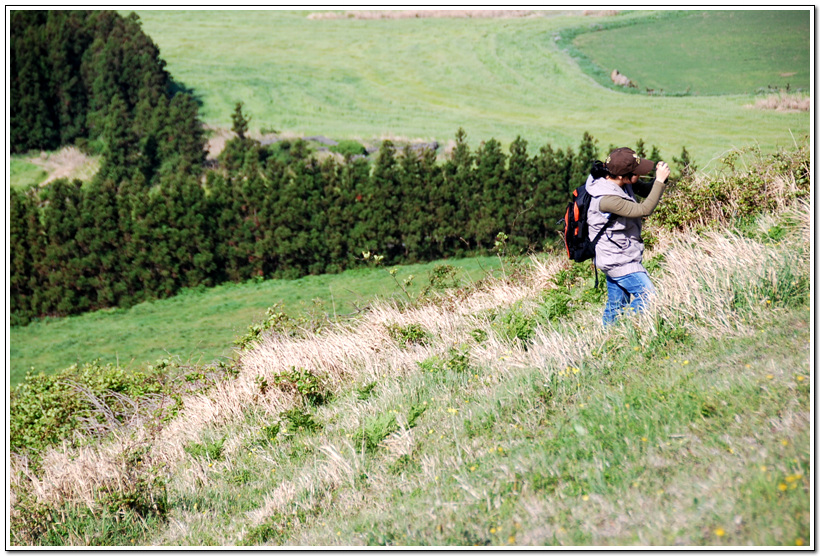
495 77
496 414
199 325
709 52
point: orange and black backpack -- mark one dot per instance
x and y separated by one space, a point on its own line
576 228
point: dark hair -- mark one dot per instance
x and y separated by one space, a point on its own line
598 170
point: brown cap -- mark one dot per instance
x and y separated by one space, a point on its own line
623 161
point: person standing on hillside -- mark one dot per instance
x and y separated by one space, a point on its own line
619 252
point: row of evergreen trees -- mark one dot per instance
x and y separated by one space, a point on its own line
76 247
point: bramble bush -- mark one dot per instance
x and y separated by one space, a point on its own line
92 398
747 188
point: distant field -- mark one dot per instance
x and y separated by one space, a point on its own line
200 326
709 52
495 77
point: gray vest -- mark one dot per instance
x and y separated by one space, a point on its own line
620 250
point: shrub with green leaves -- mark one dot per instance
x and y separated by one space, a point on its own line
411 334
92 398
349 147
555 304
456 360
275 319
306 383
517 325
366 391
442 277
374 430
298 420
747 188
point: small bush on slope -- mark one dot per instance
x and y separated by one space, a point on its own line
47 409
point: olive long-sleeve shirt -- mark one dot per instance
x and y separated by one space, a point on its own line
624 207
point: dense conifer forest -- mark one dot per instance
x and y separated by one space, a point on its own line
155 220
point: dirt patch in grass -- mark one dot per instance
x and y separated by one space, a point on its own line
784 103
405 14
68 162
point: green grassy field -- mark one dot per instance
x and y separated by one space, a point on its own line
199 326
688 446
425 78
708 52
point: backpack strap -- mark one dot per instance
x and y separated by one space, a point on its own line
610 220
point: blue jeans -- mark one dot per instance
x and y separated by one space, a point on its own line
619 290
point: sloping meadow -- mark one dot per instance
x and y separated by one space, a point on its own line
501 413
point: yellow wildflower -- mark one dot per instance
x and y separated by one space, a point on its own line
720 532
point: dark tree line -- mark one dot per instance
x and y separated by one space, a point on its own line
109 243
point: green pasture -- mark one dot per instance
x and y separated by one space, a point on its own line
704 52
499 78
200 325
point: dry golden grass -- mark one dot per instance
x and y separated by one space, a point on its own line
601 13
68 162
784 102
412 14
348 352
